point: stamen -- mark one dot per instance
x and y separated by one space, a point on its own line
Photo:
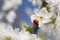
8 38
41 17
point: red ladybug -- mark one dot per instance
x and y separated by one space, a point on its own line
35 21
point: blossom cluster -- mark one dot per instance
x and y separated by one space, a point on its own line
46 20
47 17
8 33
7 17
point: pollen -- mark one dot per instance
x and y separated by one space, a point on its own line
8 38
41 17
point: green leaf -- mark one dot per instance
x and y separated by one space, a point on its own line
53 21
48 8
28 28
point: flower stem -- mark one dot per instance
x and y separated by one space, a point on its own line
35 28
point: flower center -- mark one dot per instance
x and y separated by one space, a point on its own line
41 17
8 38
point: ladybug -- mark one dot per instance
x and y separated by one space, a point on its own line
35 21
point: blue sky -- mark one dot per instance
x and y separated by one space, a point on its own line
21 13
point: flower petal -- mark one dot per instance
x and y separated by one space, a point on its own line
40 24
33 17
46 20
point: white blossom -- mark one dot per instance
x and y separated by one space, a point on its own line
43 16
11 4
24 35
15 35
10 17
53 2
36 2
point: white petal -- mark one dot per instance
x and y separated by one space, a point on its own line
34 2
46 20
49 15
9 28
9 4
37 12
40 24
43 11
50 1
11 16
2 25
33 17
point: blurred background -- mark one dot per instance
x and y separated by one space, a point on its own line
23 13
